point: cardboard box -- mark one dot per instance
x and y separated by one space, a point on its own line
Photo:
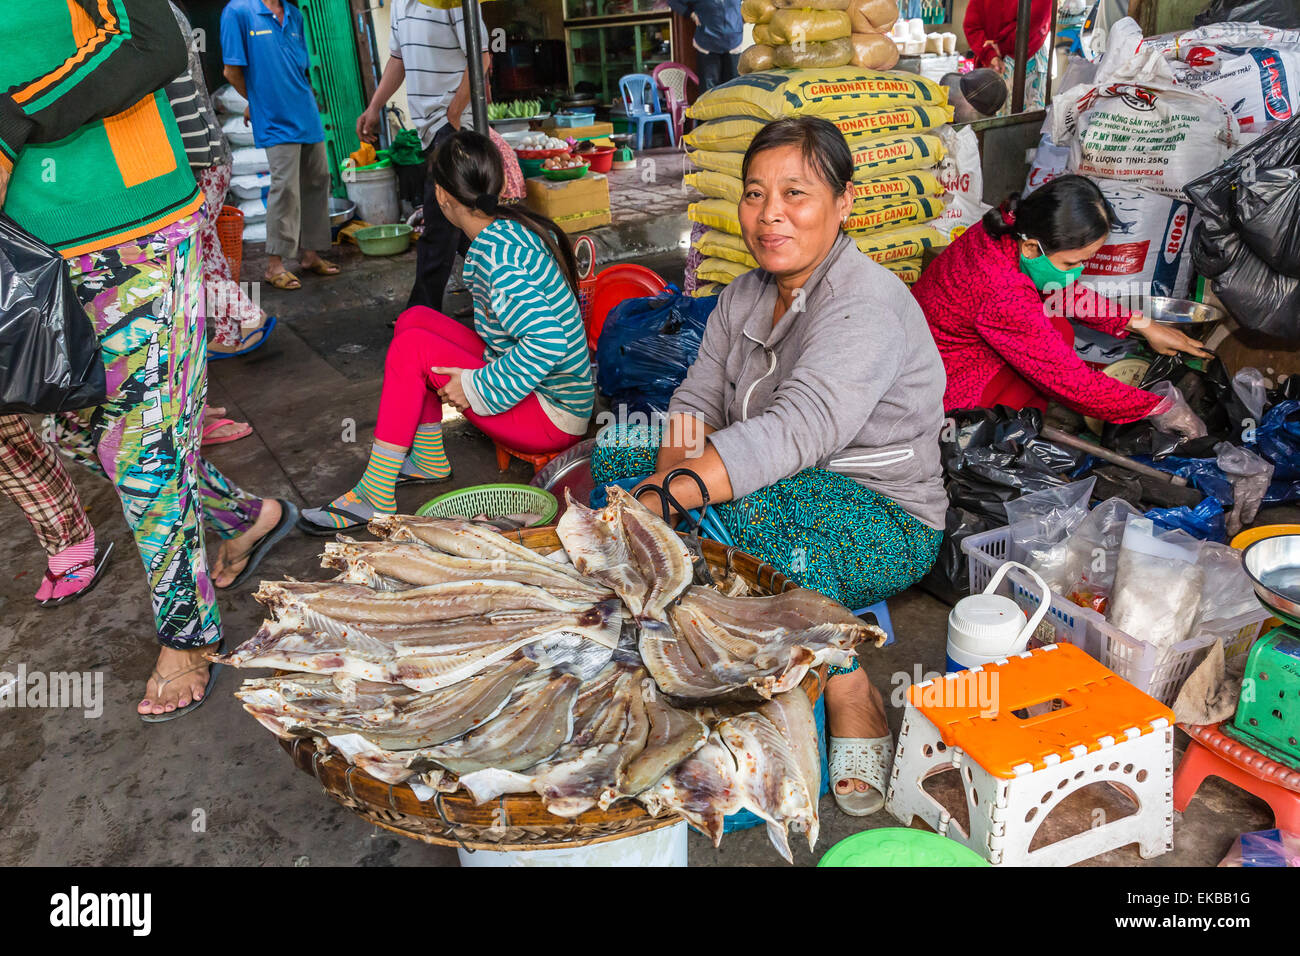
584 221
579 132
560 200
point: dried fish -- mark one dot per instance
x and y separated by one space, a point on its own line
663 560
598 547
702 788
674 735
535 722
422 656
359 604
414 564
464 539
390 716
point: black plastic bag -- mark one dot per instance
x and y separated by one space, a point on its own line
1273 13
949 578
1260 298
49 353
646 346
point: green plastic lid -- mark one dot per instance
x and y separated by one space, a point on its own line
900 846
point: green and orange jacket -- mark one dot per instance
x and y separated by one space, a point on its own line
85 127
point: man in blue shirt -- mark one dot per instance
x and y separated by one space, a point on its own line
719 32
265 59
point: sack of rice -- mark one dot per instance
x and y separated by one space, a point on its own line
756 11
823 92
813 56
808 26
237 132
756 58
707 289
722 245
874 51
250 187
872 16
720 270
715 185
249 161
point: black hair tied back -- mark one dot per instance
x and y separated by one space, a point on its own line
1069 212
468 166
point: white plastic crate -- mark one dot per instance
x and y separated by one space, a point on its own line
1138 662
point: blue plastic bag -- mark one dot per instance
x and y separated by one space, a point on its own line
1278 439
1205 521
647 345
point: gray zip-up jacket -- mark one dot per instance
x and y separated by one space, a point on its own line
849 380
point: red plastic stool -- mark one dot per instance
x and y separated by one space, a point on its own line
505 453
1215 754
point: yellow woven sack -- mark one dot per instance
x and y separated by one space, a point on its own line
879 156
908 242
808 26
723 245
883 189
716 160
825 92
716 185
909 270
720 270
899 119
876 217
730 135
756 11
763 35
716 214
813 4
707 289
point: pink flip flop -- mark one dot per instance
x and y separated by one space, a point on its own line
210 428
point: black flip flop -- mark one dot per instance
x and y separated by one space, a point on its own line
100 562
320 531
213 671
288 517
404 481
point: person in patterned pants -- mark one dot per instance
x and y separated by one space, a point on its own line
143 298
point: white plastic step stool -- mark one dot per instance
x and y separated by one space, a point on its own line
1015 768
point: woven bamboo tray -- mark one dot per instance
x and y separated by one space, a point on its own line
513 821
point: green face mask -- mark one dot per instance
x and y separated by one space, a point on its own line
1045 275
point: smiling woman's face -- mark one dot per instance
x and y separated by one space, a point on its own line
789 217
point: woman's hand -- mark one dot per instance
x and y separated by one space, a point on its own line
1166 339
452 393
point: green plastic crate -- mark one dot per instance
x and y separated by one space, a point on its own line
335 77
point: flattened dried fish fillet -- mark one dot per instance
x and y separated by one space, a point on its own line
419 565
596 543
361 605
792 715
467 539
702 788
536 720
424 657
674 735
398 720
659 554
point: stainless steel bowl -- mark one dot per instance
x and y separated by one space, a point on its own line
1193 318
341 210
1273 566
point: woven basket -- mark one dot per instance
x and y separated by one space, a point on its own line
495 501
230 232
513 821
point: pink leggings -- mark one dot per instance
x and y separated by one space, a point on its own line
425 338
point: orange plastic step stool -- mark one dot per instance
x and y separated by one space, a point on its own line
505 453
1016 768
1212 753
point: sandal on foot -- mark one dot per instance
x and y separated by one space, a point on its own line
210 429
99 562
359 521
861 758
262 332
406 478
213 671
323 267
288 518
284 280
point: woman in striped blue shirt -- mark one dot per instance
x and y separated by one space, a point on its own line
522 374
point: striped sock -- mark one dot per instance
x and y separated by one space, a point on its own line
72 555
379 484
427 454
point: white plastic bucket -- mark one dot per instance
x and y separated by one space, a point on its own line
375 193
663 847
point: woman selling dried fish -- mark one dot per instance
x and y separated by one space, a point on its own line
813 411
521 375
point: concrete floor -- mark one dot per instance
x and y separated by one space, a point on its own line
214 787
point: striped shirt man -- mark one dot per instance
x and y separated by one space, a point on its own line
431 45
529 321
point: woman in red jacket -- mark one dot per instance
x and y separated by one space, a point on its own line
997 302
990 28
